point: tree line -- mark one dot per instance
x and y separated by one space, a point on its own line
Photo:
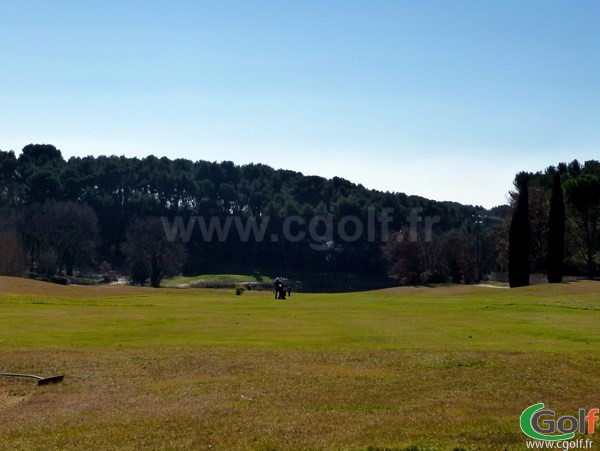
90 213
554 222
81 212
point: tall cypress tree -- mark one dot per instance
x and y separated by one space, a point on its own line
518 244
556 233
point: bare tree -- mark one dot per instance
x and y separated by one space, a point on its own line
76 229
150 255
60 235
415 261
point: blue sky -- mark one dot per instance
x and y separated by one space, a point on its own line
444 99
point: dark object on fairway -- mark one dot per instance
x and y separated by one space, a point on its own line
279 291
40 380
289 291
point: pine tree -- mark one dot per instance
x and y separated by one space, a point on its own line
556 233
518 245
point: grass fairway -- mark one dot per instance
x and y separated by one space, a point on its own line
410 368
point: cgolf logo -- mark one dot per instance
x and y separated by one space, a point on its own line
541 424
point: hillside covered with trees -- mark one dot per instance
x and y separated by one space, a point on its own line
61 216
153 217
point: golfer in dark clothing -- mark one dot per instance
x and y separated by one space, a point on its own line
278 288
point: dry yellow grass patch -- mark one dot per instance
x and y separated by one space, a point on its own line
227 398
8 400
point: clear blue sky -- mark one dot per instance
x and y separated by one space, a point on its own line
445 99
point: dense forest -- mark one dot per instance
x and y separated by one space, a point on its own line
152 217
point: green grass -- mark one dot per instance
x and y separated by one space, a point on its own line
216 279
422 368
